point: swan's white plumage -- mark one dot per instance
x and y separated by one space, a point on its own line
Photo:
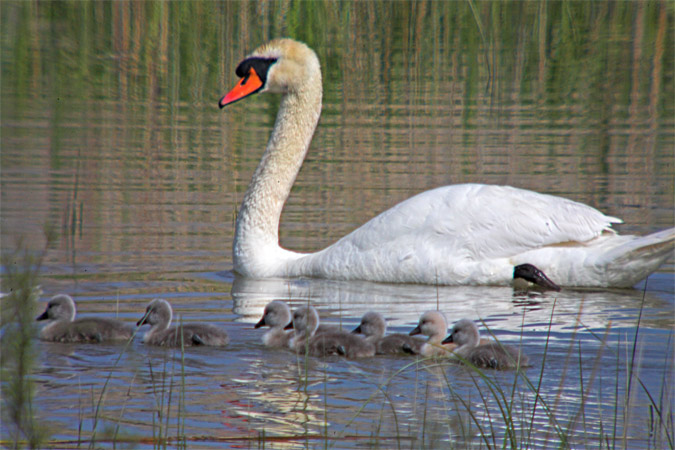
459 234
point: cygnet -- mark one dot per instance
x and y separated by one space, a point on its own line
277 315
433 325
487 356
158 315
373 327
336 342
63 327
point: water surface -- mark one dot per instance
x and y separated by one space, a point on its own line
110 131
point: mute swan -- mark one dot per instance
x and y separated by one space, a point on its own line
334 342
471 234
277 315
488 356
63 327
158 315
373 327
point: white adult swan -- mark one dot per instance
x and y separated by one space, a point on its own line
460 234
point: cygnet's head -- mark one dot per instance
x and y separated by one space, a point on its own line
60 307
372 325
158 313
431 324
277 314
465 332
305 321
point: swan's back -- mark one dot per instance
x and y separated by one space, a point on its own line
450 235
63 327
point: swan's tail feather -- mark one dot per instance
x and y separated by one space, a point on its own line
634 260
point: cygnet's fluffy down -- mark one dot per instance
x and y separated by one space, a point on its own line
158 315
336 342
277 316
433 325
373 327
492 355
62 326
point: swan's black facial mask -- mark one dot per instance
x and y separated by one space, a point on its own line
253 74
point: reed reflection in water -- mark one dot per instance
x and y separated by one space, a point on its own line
110 130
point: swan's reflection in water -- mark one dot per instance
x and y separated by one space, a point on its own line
402 305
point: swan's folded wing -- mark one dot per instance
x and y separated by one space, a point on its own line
485 221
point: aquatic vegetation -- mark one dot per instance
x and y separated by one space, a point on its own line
20 280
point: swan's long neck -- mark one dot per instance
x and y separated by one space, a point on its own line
256 242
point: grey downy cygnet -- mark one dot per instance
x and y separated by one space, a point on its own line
158 315
373 327
333 342
491 355
62 325
276 315
433 325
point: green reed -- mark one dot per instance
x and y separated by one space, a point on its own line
100 403
21 272
164 396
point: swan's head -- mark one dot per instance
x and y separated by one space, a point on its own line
464 332
60 307
280 66
431 324
372 324
276 314
158 312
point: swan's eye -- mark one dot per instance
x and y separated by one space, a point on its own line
260 65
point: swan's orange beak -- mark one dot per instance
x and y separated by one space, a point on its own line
248 85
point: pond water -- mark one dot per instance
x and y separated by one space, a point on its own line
111 132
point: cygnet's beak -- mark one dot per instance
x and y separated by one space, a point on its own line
261 323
